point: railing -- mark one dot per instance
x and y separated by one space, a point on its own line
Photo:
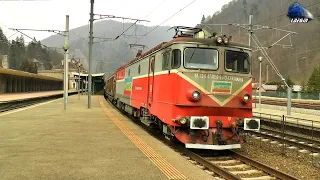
287 127
294 95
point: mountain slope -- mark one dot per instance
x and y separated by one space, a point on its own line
295 55
109 55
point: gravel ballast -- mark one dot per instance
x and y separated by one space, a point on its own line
301 165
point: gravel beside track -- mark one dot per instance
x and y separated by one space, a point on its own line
304 145
301 165
234 166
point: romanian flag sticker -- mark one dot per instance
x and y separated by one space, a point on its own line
221 87
128 86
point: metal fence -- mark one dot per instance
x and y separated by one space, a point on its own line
294 95
284 128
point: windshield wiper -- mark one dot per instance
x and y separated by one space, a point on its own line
193 53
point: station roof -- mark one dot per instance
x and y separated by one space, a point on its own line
26 74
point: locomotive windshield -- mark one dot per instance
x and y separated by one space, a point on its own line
238 62
201 58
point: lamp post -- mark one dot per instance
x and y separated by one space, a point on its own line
79 65
66 68
260 61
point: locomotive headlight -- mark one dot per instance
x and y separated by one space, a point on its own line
225 40
246 98
196 95
183 120
219 40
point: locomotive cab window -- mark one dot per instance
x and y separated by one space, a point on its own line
238 62
166 60
139 69
201 58
176 59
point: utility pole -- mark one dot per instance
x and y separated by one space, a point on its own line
250 29
79 65
253 37
90 53
260 85
66 63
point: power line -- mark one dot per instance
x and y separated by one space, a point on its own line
137 20
284 14
161 24
237 10
79 36
276 17
126 43
155 8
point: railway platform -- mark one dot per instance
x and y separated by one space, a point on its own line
305 119
12 97
47 142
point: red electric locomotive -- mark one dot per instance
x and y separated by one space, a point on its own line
196 88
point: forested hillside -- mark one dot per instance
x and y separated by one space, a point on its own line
21 56
109 55
295 56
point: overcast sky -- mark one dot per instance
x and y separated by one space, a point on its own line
50 14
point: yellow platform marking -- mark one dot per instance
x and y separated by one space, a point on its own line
167 169
29 107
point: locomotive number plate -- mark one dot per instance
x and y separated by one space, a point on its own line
199 122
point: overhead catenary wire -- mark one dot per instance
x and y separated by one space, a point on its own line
160 25
126 43
55 48
263 21
138 20
284 14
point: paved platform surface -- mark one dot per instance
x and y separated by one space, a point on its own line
46 142
276 114
20 96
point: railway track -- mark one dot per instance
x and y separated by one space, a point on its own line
292 136
235 167
232 167
290 139
312 145
21 104
296 104
13 105
290 126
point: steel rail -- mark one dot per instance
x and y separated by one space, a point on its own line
292 143
312 141
263 167
215 168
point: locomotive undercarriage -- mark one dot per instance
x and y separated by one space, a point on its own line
196 138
